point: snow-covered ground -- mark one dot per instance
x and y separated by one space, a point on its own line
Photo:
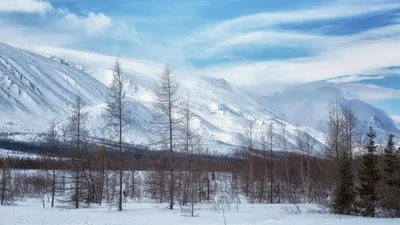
4 153
32 212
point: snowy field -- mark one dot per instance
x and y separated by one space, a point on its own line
31 212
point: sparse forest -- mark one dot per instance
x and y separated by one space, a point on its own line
355 175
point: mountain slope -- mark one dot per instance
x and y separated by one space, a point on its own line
382 91
36 88
308 104
33 85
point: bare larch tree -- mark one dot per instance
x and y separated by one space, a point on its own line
53 143
116 116
76 130
248 142
166 105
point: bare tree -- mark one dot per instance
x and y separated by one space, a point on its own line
192 190
306 145
271 137
340 144
116 115
333 141
350 130
76 130
166 105
6 193
284 146
101 162
187 137
266 143
263 140
53 143
248 142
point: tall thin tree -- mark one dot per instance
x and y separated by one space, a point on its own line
339 150
76 131
166 105
369 177
391 178
271 137
248 142
116 116
391 166
52 143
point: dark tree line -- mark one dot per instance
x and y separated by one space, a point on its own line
368 184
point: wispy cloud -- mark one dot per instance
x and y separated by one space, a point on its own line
354 58
261 38
25 6
338 9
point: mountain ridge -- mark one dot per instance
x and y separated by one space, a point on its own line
220 107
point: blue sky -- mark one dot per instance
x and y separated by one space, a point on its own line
245 42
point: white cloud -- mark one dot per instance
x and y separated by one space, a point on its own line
30 36
262 38
353 58
25 6
93 23
268 19
396 118
252 31
271 37
358 57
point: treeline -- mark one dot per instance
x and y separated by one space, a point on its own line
356 176
137 158
367 183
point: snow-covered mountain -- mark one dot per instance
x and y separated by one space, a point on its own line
307 104
35 88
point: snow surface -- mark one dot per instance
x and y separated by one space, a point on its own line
4 153
32 212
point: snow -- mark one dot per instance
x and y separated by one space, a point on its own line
220 107
47 86
4 153
32 212
34 88
308 105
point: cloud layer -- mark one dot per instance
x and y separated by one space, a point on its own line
265 42
25 6
90 23
93 23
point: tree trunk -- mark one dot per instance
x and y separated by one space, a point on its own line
3 186
171 190
120 170
53 189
